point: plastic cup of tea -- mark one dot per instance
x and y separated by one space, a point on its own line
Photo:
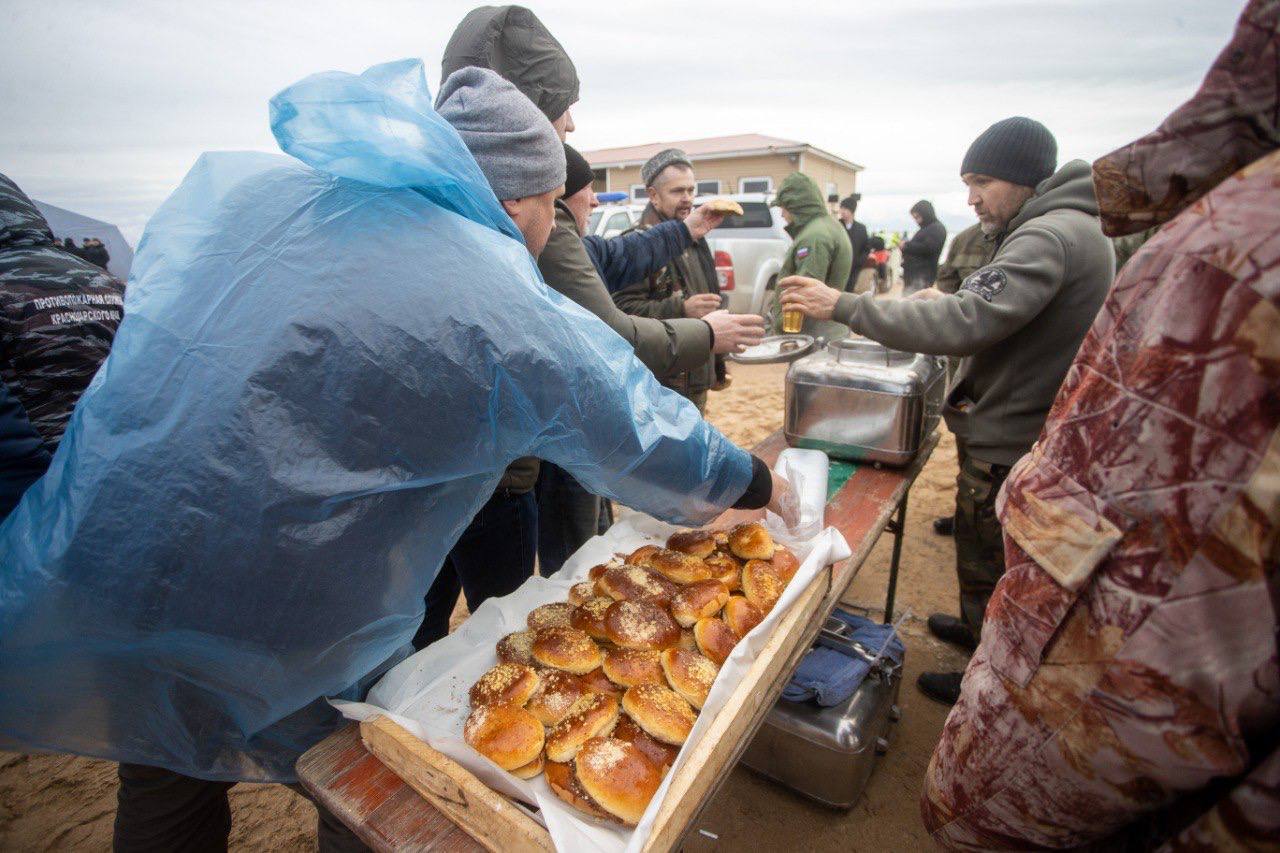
792 321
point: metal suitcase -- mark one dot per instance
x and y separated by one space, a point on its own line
857 400
827 754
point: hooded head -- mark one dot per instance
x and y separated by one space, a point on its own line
513 42
1228 124
800 197
21 225
924 210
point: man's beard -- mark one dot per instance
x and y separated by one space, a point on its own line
989 227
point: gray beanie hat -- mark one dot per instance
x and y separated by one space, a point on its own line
655 164
517 148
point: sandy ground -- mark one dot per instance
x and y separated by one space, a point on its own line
62 803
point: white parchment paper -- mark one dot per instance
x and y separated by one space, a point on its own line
427 693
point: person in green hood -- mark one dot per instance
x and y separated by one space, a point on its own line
819 249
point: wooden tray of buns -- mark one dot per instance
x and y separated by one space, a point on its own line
637 648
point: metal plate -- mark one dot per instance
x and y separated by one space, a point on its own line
776 349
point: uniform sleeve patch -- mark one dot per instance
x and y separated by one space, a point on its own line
986 282
802 253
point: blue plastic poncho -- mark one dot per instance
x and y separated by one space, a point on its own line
322 372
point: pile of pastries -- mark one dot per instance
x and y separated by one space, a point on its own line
601 690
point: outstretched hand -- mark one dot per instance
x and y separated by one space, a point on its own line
701 221
808 296
784 502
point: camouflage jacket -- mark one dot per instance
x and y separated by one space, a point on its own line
58 316
1127 683
970 250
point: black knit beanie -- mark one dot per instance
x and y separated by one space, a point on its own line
578 171
1018 150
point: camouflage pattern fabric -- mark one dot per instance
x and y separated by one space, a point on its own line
58 316
1128 673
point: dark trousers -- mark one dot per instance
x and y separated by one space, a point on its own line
493 557
159 811
568 515
979 538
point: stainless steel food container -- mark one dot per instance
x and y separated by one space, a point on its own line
827 754
860 401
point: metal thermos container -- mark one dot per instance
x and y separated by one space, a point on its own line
860 401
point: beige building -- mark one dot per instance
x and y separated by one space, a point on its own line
750 162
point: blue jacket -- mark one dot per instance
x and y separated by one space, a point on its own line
627 258
23 455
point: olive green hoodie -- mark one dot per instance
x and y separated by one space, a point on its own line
1017 322
819 249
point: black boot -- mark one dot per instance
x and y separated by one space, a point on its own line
951 630
945 526
941 686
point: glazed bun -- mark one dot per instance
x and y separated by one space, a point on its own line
697 600
660 711
629 667
516 648
642 555
618 776
508 736
589 617
597 682
591 716
505 684
689 674
555 615
725 568
686 641
528 771
785 563
564 784
581 593
696 543
639 625
635 583
566 648
761 584
677 567
557 693
741 615
751 542
661 754
597 571
715 639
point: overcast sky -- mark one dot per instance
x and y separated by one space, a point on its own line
105 105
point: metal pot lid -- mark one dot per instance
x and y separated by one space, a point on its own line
776 349
856 348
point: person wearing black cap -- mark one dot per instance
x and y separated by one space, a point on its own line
859 241
1016 324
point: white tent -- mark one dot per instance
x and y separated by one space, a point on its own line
67 223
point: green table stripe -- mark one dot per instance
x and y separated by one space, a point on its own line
837 476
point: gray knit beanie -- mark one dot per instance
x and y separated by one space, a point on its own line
513 142
655 164
1018 150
